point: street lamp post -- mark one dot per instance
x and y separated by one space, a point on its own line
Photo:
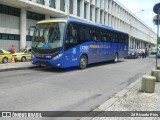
131 24
156 10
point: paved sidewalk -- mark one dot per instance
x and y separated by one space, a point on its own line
131 99
15 66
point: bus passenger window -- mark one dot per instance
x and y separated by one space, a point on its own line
104 39
71 35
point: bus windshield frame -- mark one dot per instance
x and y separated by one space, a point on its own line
48 37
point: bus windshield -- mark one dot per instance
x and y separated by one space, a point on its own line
48 36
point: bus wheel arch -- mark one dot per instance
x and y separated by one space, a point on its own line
83 61
116 57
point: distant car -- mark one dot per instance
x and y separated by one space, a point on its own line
132 54
5 56
23 55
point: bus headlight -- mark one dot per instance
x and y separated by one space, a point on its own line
58 56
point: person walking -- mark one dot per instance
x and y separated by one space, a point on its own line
12 49
143 53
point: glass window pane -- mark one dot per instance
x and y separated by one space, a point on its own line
11 11
11 37
5 36
4 9
29 15
62 5
1 51
17 37
0 8
17 12
52 4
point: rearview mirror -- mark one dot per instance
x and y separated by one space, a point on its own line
29 29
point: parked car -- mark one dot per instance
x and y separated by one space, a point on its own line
23 55
132 54
5 56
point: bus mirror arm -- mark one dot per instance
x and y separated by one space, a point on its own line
29 29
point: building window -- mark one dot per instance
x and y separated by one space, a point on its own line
17 37
101 16
62 5
85 10
78 7
96 2
96 15
28 38
4 36
52 3
40 2
71 6
91 13
4 9
11 37
35 16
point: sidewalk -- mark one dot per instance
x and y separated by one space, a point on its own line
15 66
131 99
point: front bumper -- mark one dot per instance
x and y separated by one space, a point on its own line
49 63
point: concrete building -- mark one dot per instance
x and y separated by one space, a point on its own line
17 15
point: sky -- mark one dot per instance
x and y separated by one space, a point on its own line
147 15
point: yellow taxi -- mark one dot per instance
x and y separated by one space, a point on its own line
23 55
5 56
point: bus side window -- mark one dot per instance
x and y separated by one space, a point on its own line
109 39
81 34
71 34
104 37
87 34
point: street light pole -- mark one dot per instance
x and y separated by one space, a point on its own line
157 35
131 25
156 9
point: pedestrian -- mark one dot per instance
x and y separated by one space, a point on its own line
140 53
12 49
143 53
146 52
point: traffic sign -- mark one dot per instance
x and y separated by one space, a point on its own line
155 20
156 7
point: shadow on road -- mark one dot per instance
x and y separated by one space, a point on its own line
60 70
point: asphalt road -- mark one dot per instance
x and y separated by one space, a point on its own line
59 90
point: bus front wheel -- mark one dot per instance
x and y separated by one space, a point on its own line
83 62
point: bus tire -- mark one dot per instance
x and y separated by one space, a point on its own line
116 57
83 62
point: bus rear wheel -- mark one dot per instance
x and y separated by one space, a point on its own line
83 62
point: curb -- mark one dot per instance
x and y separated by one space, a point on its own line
17 68
112 100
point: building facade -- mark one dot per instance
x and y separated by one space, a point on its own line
16 16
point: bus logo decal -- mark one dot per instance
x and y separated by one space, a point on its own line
84 48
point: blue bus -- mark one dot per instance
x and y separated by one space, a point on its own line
68 42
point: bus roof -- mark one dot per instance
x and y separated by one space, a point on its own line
79 21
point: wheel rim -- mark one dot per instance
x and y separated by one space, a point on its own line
5 60
23 59
83 62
